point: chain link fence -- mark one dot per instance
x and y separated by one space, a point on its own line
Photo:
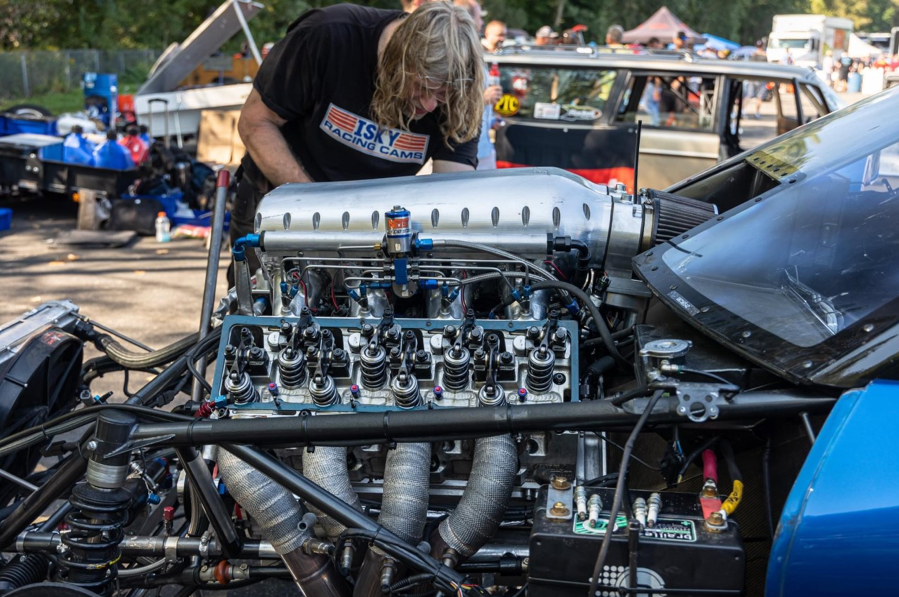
23 74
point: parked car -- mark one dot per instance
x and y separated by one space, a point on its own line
577 107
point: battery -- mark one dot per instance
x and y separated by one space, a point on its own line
677 554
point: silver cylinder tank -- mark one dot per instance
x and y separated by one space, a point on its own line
507 209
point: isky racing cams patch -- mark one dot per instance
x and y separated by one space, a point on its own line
366 136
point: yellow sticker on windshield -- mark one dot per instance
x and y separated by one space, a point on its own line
508 105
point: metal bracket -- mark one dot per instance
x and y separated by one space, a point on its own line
559 499
698 401
171 549
131 446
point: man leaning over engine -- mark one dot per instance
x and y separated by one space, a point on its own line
356 93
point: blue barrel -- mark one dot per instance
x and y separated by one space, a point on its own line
855 83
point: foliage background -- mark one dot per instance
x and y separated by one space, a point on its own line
114 24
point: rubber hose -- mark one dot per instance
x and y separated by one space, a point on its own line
601 324
141 360
600 366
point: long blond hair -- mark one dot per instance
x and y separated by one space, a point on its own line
437 41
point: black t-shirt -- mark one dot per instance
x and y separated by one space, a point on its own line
321 79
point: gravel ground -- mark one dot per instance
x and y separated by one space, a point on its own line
149 291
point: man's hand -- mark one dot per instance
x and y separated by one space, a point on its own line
492 94
260 130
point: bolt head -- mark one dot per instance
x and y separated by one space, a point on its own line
92 445
559 509
561 483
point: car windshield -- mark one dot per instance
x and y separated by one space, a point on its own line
788 43
558 93
820 252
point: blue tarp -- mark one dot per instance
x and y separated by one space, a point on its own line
716 43
112 155
78 150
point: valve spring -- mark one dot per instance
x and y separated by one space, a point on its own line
374 367
540 370
292 364
241 390
405 391
96 525
323 390
456 363
497 398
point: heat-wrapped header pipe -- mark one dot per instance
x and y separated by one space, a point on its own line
404 511
482 507
327 468
279 516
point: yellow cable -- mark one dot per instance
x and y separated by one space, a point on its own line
733 500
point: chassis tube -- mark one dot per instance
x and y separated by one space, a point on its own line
212 269
153 545
460 423
70 472
200 480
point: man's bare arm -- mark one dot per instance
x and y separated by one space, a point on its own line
260 130
442 166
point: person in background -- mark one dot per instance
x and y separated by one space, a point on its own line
494 36
134 144
759 55
650 100
654 43
145 135
827 67
614 36
845 63
669 100
492 94
679 41
545 36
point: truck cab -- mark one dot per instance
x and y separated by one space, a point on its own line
804 40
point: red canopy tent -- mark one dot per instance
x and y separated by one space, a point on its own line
663 25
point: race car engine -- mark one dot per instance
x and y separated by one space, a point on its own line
431 386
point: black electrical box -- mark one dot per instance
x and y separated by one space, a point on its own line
677 554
